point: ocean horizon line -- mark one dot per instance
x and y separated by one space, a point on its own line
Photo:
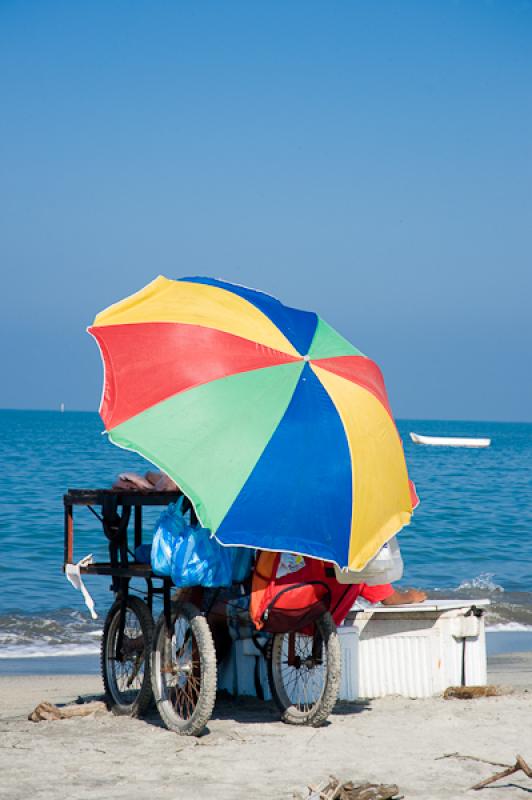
397 418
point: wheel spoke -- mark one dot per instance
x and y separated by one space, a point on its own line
184 676
185 668
300 685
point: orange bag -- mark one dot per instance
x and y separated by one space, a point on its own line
285 601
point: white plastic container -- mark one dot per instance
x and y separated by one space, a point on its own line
386 567
237 673
348 635
227 674
418 650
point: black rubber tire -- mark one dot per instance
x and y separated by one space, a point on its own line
330 675
128 702
202 685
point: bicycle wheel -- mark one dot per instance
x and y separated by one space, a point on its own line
126 675
184 670
304 673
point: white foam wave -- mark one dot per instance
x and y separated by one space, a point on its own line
482 581
41 650
508 627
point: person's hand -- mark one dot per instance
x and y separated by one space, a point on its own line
403 598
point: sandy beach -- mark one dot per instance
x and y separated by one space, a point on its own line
247 753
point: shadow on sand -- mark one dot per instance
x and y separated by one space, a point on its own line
244 710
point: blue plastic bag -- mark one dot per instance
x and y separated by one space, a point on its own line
187 553
169 532
199 560
143 554
241 560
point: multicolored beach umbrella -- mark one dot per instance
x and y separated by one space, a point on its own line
277 428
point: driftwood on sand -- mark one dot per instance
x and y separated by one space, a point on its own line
336 790
47 711
520 765
471 692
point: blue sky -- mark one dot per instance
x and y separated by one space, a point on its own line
368 160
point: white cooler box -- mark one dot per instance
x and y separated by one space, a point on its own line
414 651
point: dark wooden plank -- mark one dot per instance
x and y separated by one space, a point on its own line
88 497
131 571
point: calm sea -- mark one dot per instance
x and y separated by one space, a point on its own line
470 537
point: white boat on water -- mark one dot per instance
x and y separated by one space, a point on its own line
449 441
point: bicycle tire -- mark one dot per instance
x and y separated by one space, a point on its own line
283 678
183 670
135 666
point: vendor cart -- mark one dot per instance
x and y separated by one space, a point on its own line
172 661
